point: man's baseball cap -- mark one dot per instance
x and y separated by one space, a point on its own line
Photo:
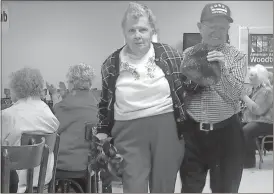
216 9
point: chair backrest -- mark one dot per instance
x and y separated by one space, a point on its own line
25 157
52 140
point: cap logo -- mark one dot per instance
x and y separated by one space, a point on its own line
218 8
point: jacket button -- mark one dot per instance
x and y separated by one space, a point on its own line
156 59
178 120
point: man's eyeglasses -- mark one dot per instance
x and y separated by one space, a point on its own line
216 28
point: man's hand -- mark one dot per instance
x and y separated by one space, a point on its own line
216 56
244 97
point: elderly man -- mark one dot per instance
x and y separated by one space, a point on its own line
213 133
142 105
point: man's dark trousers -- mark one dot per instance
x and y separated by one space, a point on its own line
219 151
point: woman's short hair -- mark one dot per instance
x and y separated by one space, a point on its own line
262 74
81 76
137 10
26 82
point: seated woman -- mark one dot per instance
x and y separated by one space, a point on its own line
28 114
257 115
79 106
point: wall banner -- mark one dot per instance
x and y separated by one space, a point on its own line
260 49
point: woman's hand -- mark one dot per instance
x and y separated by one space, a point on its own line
101 136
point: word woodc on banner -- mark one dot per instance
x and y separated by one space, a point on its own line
260 49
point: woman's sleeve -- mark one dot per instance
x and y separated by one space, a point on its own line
263 102
10 134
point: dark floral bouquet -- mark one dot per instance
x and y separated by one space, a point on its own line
104 158
109 159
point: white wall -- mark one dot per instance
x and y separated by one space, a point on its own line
53 35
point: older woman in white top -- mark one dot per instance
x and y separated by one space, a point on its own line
142 105
28 114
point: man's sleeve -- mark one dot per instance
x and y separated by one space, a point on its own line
232 81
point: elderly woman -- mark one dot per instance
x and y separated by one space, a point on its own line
142 105
79 106
258 113
28 114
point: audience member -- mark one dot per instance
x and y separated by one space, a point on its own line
77 108
28 114
258 111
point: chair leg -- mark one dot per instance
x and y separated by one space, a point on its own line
66 187
262 146
95 184
88 189
57 186
51 187
90 180
260 153
62 186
